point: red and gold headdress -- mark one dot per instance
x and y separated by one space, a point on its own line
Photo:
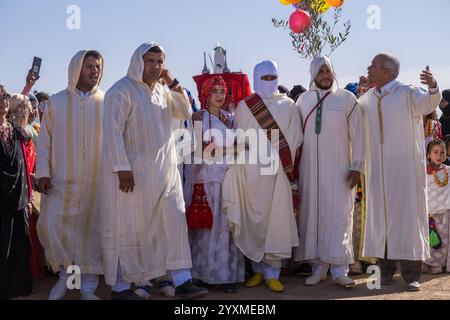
237 86
208 87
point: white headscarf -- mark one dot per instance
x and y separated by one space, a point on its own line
265 89
316 65
74 72
19 110
136 69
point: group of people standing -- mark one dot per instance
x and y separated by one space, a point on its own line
115 202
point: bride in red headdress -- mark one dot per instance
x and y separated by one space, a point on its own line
216 259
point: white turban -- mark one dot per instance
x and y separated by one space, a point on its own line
316 65
265 89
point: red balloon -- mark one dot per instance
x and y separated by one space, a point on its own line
300 21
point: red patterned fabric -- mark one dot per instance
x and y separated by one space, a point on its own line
37 252
207 89
238 86
199 214
30 157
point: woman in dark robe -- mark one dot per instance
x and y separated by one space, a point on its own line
15 275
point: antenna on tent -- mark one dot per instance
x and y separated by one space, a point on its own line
225 69
205 67
210 59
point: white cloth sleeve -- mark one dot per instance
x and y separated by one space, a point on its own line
424 102
44 144
356 134
179 105
117 111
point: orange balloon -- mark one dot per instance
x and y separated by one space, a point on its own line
288 2
335 3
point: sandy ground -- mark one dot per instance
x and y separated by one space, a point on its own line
434 288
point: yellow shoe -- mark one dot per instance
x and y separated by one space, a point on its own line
256 280
275 285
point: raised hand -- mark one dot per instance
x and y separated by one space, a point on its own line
426 77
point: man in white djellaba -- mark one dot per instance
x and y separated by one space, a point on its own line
330 168
143 211
397 214
69 159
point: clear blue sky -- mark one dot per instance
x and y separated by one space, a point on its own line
416 31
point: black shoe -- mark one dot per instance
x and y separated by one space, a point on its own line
305 270
187 291
228 288
125 295
386 281
200 283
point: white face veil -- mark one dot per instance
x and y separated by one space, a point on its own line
265 89
316 65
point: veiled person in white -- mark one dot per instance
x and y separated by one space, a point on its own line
259 203
69 160
331 164
143 214
397 212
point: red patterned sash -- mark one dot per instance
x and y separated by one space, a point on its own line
267 122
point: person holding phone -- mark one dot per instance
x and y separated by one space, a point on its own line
69 159
32 76
15 275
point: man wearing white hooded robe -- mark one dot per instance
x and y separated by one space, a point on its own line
69 159
259 205
143 211
330 167
396 226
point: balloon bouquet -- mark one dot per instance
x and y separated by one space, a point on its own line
300 20
312 31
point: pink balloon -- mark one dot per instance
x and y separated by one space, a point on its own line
300 21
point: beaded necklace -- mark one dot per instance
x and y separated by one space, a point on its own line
440 183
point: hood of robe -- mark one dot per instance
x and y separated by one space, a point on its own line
75 70
316 65
266 89
136 69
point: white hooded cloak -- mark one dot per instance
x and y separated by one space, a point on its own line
69 152
326 209
145 230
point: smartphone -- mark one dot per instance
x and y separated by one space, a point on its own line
36 67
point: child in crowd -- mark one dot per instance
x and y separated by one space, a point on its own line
438 206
